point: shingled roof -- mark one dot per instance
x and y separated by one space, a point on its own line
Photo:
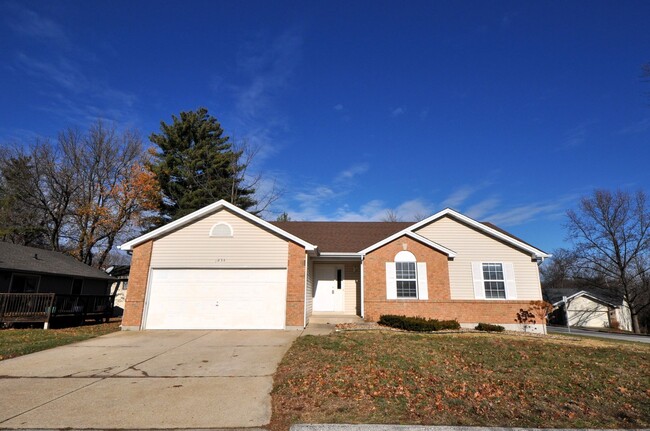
341 236
14 257
351 237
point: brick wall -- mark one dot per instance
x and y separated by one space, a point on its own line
439 305
138 278
295 285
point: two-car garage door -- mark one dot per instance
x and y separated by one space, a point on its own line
216 299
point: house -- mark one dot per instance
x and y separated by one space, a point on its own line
588 308
223 268
120 273
37 284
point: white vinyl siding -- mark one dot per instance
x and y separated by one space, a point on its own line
471 246
352 282
192 246
310 288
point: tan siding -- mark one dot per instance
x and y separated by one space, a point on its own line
192 247
352 291
470 246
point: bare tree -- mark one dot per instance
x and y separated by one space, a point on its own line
390 216
611 231
266 192
560 270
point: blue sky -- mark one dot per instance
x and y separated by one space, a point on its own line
506 111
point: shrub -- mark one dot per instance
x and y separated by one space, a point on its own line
488 327
418 324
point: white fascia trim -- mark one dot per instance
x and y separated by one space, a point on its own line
335 254
480 226
127 246
415 236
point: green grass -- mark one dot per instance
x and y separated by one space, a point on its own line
17 342
464 379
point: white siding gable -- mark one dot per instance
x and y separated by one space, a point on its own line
192 246
472 246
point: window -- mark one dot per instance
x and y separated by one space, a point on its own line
221 230
24 283
406 278
494 281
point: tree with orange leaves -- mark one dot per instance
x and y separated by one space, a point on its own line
85 191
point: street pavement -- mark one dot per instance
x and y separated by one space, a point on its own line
595 334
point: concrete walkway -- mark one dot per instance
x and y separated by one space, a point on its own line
596 334
149 379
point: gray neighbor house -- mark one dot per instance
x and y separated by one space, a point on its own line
39 285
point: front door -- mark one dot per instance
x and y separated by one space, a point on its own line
329 289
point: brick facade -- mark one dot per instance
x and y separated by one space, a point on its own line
295 314
439 305
138 278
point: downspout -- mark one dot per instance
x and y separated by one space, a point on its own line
362 289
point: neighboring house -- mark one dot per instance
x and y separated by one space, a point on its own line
70 286
221 267
119 286
588 308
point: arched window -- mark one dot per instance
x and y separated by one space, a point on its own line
406 278
221 230
406 275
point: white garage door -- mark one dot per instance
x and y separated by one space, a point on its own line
216 299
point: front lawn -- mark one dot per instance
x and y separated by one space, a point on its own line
17 342
464 379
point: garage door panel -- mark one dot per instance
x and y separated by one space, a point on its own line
216 299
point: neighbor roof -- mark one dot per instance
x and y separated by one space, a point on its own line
341 236
555 296
14 257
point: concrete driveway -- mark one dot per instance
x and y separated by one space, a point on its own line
149 379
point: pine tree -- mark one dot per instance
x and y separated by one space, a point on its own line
197 165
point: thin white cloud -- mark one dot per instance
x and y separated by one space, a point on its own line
268 69
397 111
59 73
636 128
31 24
352 171
576 136
458 196
521 214
338 107
482 208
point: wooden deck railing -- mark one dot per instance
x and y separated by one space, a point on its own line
42 307
25 307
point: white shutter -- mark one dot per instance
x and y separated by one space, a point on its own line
423 288
509 275
391 284
477 276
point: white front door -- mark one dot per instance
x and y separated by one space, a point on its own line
329 289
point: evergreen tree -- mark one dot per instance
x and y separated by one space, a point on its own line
197 165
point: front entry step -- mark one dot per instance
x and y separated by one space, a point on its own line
333 319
